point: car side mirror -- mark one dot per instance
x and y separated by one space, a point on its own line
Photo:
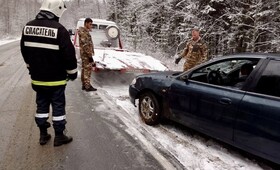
185 78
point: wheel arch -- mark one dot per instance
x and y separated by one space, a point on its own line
159 98
158 114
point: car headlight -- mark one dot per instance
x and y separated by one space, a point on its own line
133 81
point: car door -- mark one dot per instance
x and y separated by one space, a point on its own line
210 109
257 126
206 107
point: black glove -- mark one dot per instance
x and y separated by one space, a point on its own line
72 76
177 60
90 59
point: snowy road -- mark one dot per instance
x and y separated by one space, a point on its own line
99 142
107 130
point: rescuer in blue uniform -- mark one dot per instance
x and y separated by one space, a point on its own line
50 57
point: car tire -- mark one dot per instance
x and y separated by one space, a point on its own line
149 108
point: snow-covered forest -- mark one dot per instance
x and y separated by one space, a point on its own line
158 26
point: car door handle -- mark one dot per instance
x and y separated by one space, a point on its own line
225 101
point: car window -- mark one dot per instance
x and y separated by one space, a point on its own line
226 66
224 73
269 82
103 27
94 26
100 39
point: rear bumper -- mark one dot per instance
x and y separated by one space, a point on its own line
133 94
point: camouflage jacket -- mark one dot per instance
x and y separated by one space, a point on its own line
195 52
85 42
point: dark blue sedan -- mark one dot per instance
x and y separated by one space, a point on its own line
216 99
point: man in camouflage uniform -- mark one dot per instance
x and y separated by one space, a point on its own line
86 51
195 51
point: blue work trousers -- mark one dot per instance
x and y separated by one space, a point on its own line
50 96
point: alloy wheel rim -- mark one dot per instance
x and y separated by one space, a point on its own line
147 107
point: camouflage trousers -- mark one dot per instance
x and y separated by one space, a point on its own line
86 73
188 65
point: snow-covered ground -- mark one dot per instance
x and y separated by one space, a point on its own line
192 151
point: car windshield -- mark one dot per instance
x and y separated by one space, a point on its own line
100 39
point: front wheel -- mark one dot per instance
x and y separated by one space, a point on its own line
149 108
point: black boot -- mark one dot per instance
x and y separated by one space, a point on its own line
44 136
61 139
44 139
90 89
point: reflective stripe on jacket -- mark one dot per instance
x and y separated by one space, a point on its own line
49 83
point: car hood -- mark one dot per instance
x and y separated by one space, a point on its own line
161 75
158 79
117 59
